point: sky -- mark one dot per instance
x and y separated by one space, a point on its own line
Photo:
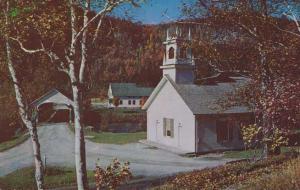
153 12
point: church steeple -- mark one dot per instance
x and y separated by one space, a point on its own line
178 59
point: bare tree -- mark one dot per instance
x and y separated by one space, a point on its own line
273 39
75 68
25 112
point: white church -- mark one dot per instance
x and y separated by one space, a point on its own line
186 116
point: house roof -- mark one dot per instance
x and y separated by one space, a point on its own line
48 98
205 98
129 89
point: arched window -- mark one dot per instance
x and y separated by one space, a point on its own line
183 52
171 53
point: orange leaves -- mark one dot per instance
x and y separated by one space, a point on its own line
113 176
227 175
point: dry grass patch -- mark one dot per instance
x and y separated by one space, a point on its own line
234 175
286 177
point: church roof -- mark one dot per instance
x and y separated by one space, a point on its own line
129 89
205 98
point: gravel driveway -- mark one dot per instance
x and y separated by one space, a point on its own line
57 143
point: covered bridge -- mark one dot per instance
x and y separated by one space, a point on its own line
51 103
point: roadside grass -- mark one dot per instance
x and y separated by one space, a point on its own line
287 177
251 153
13 142
236 174
115 138
112 138
54 177
243 154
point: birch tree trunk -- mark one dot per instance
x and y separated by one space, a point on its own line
265 82
80 153
265 79
24 114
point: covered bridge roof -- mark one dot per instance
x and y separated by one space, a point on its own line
53 96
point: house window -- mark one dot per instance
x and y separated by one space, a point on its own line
224 131
171 53
121 102
129 102
168 127
133 102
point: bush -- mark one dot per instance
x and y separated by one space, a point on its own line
104 119
294 138
112 176
254 138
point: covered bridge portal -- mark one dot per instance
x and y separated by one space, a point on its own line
48 105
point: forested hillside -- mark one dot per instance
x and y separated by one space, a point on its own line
124 52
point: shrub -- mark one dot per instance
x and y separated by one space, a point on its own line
113 175
118 116
253 138
116 101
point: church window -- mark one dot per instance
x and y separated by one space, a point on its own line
224 131
171 53
168 127
129 102
133 102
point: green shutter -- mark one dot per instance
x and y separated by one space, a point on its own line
172 127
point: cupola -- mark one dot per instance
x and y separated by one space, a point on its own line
178 60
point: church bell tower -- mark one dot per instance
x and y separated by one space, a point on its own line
178 60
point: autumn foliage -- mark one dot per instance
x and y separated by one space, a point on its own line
113 176
254 138
229 175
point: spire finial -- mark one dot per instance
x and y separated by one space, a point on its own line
167 33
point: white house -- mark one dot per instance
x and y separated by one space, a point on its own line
188 116
128 95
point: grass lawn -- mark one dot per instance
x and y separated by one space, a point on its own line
54 177
121 111
115 138
14 142
247 154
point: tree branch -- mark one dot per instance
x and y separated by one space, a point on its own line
109 6
30 51
251 32
286 31
294 19
53 56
